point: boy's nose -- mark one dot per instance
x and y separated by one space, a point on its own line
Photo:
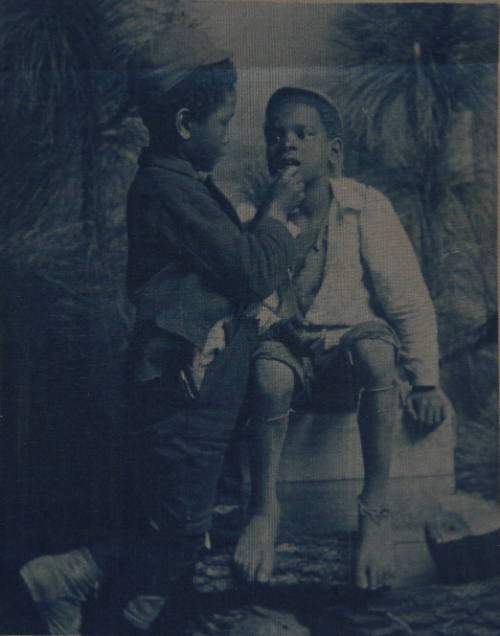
290 140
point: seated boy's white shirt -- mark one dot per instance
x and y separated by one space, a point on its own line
292 228
366 234
266 312
215 342
364 231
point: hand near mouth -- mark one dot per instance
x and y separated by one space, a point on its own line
285 194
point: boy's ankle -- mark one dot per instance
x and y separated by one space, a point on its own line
269 507
379 514
374 499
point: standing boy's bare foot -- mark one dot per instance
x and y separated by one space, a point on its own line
254 554
375 553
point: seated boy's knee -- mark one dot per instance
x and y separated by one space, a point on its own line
273 384
375 361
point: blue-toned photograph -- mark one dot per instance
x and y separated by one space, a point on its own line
249 324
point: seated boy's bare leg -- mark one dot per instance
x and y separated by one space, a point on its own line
375 364
272 393
254 555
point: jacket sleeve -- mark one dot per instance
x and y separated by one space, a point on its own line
400 288
249 264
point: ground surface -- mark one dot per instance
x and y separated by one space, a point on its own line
310 595
308 609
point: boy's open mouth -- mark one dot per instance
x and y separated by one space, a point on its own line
284 162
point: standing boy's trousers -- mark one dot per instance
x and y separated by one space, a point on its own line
177 452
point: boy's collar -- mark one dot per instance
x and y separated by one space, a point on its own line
349 194
148 157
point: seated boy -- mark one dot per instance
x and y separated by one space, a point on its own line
192 271
356 311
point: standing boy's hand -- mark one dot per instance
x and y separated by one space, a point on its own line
285 194
429 408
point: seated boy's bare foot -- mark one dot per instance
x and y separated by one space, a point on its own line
254 554
374 566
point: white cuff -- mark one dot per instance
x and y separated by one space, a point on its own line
293 229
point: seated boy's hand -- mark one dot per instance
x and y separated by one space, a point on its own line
429 409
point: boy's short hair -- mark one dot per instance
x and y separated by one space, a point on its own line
202 91
180 69
322 103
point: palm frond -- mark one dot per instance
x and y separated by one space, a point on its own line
437 58
128 24
62 77
47 48
49 54
378 34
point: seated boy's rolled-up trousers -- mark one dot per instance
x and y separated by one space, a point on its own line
176 451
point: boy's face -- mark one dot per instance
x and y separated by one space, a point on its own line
209 138
296 136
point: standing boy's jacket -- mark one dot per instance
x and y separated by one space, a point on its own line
191 262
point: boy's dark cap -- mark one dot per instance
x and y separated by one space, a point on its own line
308 96
166 60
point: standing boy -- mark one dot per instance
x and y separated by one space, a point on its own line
356 308
192 272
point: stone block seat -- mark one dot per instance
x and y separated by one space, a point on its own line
321 475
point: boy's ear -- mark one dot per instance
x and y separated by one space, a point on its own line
183 123
336 155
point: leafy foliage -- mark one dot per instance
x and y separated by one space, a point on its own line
408 68
418 86
130 23
62 78
64 173
47 48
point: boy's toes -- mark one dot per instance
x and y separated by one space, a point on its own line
250 572
373 579
265 570
383 579
245 568
361 578
388 576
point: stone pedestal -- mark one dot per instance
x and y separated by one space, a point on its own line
322 474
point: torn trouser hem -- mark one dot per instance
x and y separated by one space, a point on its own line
379 389
273 418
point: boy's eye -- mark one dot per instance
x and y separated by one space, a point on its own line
303 133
